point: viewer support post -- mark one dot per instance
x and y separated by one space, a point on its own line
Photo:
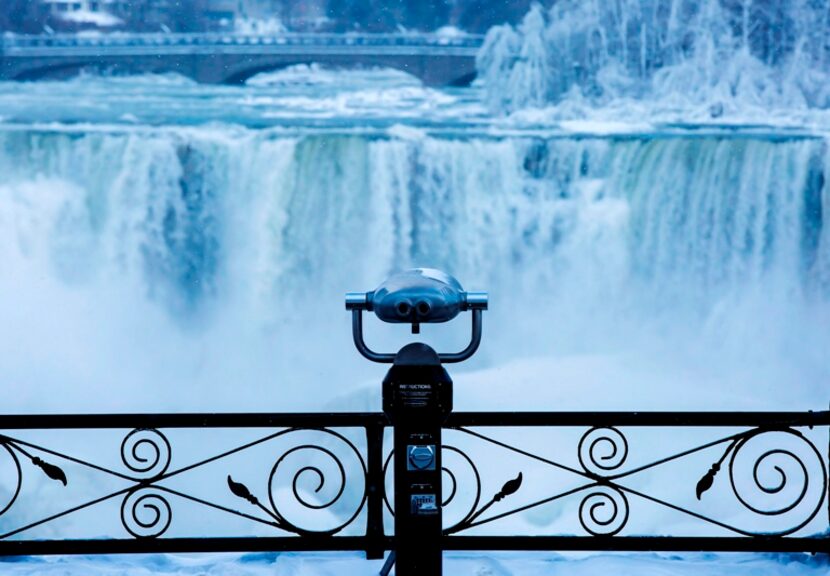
417 398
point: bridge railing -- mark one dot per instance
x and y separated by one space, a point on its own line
288 39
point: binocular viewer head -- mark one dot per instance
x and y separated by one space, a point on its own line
415 297
421 295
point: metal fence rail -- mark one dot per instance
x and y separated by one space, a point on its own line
771 467
144 470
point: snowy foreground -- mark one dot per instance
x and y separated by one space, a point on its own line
455 564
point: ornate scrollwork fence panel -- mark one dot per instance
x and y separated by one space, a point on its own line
262 481
511 481
647 481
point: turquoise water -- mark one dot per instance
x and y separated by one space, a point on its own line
184 237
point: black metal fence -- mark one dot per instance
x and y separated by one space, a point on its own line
138 483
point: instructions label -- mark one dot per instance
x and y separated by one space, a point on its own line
424 505
416 395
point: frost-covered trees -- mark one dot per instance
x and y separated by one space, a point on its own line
718 53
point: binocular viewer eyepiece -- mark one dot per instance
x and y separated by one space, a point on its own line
422 295
415 297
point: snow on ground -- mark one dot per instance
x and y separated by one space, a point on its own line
455 564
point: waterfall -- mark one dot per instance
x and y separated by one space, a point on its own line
183 253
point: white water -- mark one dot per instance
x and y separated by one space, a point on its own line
204 268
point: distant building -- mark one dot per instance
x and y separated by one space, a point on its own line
99 13
113 7
183 15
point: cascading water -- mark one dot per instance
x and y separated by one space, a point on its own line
185 260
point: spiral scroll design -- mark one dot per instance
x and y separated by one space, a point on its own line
602 450
17 484
781 476
146 452
145 513
318 475
604 511
388 484
472 493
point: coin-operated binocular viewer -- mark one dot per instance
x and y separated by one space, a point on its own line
417 398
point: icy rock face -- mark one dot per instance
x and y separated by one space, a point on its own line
722 54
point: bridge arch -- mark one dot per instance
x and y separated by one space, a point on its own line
243 74
440 71
463 80
60 71
65 70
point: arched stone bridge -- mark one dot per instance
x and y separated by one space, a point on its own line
232 59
